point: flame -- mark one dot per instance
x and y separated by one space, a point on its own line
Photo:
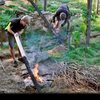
36 73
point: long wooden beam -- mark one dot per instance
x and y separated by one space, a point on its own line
51 29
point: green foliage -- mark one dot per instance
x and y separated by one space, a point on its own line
4 19
40 7
1 9
6 15
76 38
10 12
93 16
78 24
96 28
75 11
52 7
81 55
30 8
83 27
96 24
12 6
84 11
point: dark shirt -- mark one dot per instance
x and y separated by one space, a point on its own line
15 25
59 11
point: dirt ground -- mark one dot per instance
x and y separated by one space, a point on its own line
10 78
74 79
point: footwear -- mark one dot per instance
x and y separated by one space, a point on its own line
15 63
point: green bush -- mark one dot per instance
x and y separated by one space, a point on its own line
4 19
78 24
6 15
76 38
75 11
52 7
83 27
81 55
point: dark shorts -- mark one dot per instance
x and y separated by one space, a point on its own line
11 39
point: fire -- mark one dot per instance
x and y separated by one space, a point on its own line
36 73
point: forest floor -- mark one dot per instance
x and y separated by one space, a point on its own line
68 77
75 79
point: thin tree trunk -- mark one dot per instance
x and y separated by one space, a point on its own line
45 5
88 31
97 9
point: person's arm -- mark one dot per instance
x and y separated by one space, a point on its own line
64 23
53 19
56 15
21 31
9 28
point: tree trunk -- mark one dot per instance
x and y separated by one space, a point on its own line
97 9
88 31
45 5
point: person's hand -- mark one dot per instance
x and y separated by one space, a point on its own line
16 34
57 30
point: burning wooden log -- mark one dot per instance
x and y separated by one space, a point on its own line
26 62
36 69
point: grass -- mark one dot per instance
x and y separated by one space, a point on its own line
81 55
96 24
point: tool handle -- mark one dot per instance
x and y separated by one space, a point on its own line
19 45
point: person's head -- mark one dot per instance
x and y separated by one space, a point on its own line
25 20
62 16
